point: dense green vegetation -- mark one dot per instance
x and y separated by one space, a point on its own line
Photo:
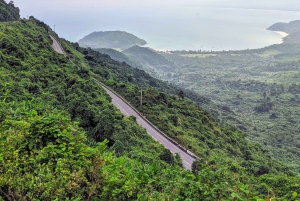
149 59
261 88
45 156
258 89
181 120
111 39
118 56
31 69
125 73
8 12
53 116
191 126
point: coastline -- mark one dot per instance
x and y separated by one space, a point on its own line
281 40
283 34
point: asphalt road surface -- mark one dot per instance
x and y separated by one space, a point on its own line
56 46
127 110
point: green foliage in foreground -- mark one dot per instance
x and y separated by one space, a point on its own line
43 155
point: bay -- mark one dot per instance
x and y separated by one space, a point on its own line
173 28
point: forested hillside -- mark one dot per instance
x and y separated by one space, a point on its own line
53 117
111 39
8 12
45 156
181 120
30 69
125 73
150 60
292 28
260 86
118 56
254 90
189 124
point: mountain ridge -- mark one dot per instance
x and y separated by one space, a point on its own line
111 39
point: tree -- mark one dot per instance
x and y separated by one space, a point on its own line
167 156
180 95
196 166
11 3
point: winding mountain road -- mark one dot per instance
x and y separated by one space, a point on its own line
56 46
128 110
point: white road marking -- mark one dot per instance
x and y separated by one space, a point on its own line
186 162
142 122
121 108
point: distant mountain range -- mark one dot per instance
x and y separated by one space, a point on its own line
111 39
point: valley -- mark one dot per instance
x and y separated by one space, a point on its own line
259 86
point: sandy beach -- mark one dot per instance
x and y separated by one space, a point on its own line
283 34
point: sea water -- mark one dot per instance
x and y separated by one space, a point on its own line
186 28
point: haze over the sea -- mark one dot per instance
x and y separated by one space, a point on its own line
172 25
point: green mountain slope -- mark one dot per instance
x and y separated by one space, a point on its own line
150 60
181 120
292 28
118 56
31 69
111 39
259 86
44 155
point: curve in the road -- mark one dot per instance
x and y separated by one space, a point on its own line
187 157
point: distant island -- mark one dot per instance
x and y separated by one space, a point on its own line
111 39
